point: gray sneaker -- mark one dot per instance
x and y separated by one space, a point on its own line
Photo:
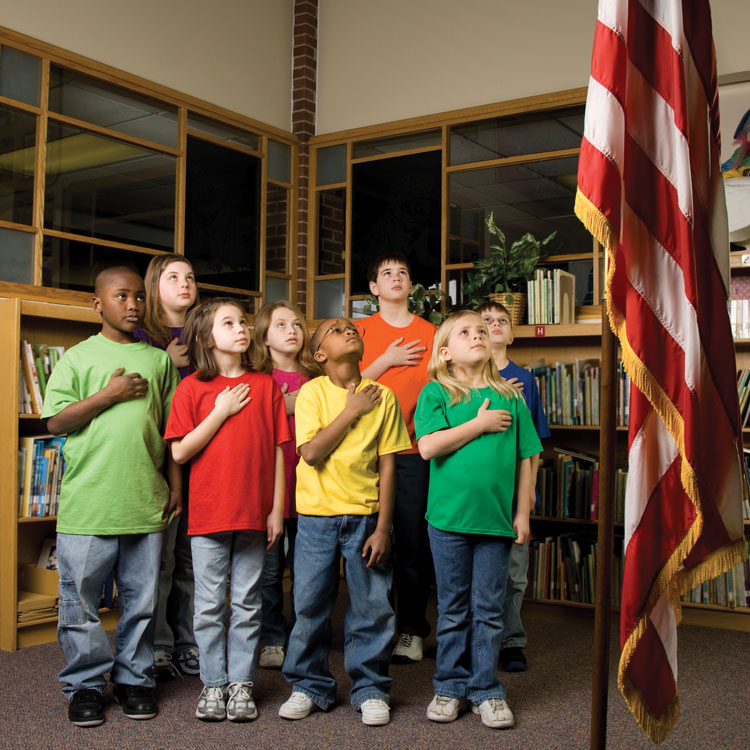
495 713
164 667
212 704
240 704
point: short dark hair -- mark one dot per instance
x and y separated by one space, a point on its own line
490 305
374 268
106 275
198 339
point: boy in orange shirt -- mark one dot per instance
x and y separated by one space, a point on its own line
398 345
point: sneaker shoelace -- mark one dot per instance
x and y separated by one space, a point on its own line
240 693
163 661
405 640
212 695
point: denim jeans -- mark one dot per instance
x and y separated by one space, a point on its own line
274 628
514 634
412 562
369 621
175 605
84 564
228 656
471 572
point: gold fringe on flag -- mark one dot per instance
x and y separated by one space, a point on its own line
672 579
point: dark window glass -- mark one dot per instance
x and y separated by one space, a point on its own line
396 208
516 135
91 100
20 75
16 256
222 210
222 131
397 143
68 264
277 200
102 187
331 165
279 160
17 149
331 231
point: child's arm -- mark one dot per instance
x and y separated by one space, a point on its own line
378 544
442 442
174 479
119 388
275 520
395 356
290 399
521 521
323 443
227 403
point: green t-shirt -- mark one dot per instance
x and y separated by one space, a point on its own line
471 490
113 483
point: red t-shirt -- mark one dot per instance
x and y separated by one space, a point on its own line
406 381
293 381
231 479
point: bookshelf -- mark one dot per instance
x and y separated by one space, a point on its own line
37 321
566 343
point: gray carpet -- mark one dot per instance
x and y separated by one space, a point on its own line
551 702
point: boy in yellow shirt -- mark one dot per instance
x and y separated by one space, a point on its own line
349 429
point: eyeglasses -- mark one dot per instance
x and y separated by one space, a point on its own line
338 330
500 321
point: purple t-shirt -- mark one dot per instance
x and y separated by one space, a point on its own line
176 334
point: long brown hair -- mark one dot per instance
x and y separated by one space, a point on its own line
200 342
154 325
442 371
261 356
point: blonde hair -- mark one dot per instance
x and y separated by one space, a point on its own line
261 356
200 342
441 371
153 320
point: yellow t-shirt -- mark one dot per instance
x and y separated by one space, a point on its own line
346 481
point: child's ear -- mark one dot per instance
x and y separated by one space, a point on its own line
512 338
374 289
320 356
96 303
445 355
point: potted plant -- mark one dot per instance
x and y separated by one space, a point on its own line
422 302
502 276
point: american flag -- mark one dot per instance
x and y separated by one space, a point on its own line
650 190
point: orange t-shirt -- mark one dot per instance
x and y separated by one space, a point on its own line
406 381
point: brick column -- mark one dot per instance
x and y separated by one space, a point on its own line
304 79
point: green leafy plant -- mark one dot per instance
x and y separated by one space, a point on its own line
506 269
422 302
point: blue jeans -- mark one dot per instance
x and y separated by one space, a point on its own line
274 628
228 656
471 571
514 634
175 605
369 621
84 564
412 562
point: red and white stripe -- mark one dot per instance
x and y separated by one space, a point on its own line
649 188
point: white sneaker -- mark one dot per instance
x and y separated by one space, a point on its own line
164 668
495 713
299 706
240 704
408 649
212 704
271 657
375 712
444 709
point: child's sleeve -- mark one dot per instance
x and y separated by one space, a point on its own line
307 414
181 419
63 388
430 414
394 436
278 413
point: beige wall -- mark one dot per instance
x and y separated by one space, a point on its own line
234 53
383 60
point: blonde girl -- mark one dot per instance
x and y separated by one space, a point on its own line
281 349
477 433
171 292
229 421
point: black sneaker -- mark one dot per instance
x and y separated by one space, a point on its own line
85 708
137 701
513 660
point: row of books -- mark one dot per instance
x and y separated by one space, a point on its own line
739 318
570 392
568 487
743 392
37 362
551 297
730 589
40 471
563 568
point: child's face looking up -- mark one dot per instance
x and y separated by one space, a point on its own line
284 334
468 343
393 282
340 339
121 300
230 332
177 290
499 326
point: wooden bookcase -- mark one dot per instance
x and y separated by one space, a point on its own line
38 322
566 344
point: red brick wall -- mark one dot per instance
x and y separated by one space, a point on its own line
331 228
276 217
304 78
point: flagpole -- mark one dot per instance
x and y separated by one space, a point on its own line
605 537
